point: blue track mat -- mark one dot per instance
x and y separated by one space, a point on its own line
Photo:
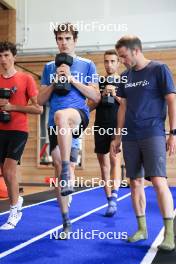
98 249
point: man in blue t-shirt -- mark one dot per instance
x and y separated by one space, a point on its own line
67 112
149 88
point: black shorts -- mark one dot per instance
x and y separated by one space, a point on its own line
102 143
12 143
84 123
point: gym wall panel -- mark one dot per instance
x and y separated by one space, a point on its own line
8 25
29 168
100 22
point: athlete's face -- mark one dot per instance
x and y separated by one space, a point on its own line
111 63
127 57
7 59
66 43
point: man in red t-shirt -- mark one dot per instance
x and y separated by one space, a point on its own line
14 133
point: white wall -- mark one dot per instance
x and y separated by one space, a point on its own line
153 20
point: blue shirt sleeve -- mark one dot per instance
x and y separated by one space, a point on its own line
166 84
92 73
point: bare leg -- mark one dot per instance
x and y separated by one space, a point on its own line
9 172
105 171
139 205
66 119
115 171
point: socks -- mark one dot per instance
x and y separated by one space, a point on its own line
168 241
108 198
141 220
65 172
113 198
14 208
114 195
141 233
66 219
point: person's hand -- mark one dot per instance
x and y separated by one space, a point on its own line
3 102
110 89
171 145
115 146
64 70
7 107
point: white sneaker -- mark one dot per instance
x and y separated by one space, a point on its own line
69 200
14 216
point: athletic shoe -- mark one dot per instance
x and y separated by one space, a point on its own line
112 209
65 234
14 216
67 189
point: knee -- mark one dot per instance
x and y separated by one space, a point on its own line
159 183
136 184
59 117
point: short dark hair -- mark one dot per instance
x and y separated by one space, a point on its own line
110 52
66 27
130 42
6 45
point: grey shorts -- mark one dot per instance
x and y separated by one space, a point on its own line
145 158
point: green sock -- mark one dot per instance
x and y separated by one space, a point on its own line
141 233
168 241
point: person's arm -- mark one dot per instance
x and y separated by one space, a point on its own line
92 105
171 142
44 94
115 144
33 108
90 91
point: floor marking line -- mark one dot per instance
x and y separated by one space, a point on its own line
53 199
151 253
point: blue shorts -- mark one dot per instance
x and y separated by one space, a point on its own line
146 157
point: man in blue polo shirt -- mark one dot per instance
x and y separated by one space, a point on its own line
145 95
68 111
